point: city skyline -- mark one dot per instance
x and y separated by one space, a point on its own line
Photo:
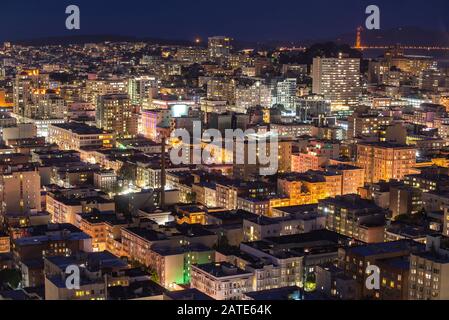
261 21
225 166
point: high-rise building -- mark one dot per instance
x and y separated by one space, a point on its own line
115 113
149 121
432 80
337 79
221 88
284 93
219 47
98 87
25 84
250 169
142 89
192 55
385 161
20 190
47 104
405 200
253 94
367 125
312 106
292 130
22 92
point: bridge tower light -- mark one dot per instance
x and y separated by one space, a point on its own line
358 41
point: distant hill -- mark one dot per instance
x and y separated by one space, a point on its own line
400 35
82 39
328 49
413 36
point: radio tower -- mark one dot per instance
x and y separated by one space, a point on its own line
358 41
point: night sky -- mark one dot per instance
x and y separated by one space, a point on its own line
247 20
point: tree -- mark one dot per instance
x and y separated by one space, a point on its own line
191 197
152 272
328 49
310 282
417 219
127 172
154 276
222 243
11 277
114 189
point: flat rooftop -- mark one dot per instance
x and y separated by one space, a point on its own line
147 234
384 248
313 236
386 145
303 209
79 128
284 293
402 263
222 270
352 202
171 251
187 294
38 240
433 256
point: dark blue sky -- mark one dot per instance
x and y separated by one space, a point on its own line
241 19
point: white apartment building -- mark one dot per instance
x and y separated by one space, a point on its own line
256 94
338 80
221 281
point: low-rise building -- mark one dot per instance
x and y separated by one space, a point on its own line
67 205
354 217
392 260
75 136
221 280
385 161
50 240
138 241
285 221
5 245
173 264
103 276
105 180
429 271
